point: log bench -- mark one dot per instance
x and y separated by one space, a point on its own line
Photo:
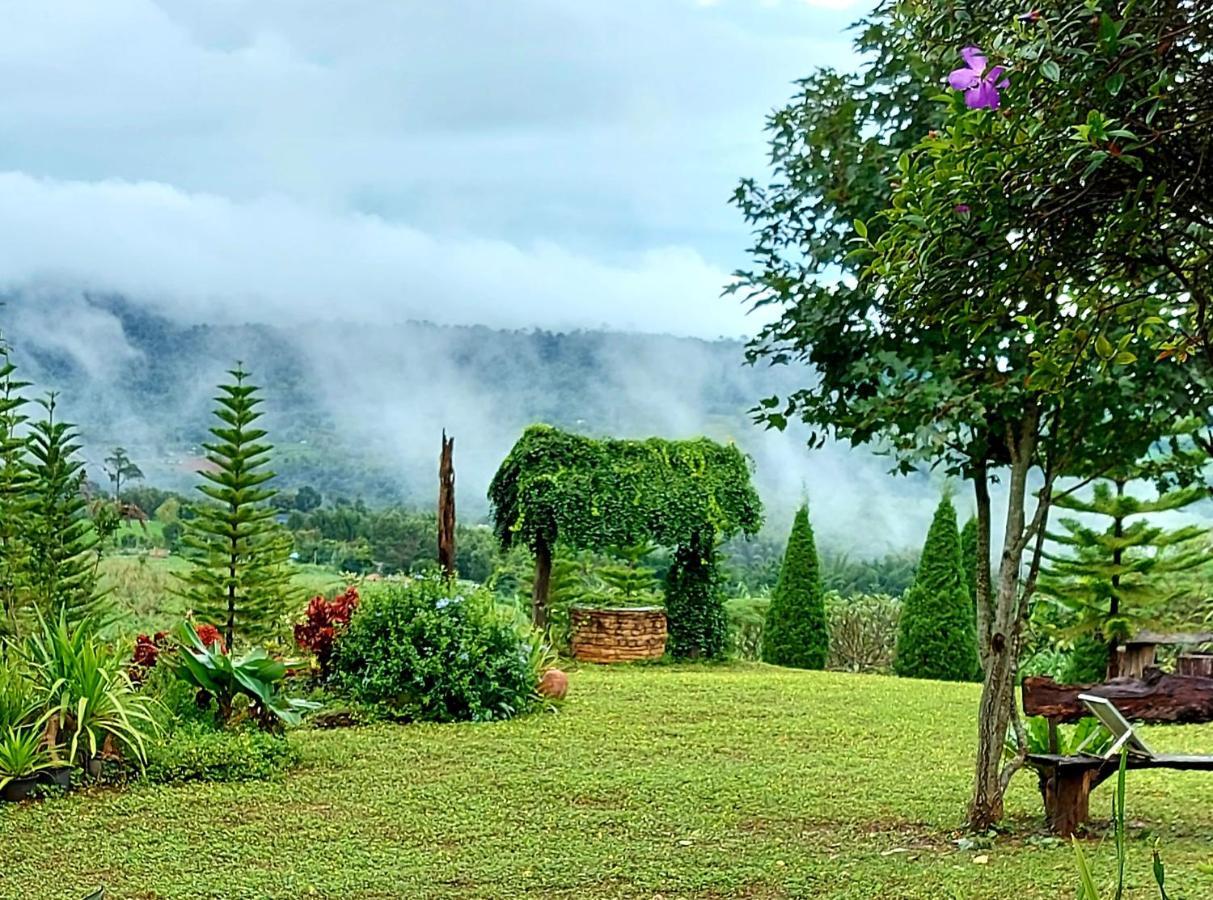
1066 781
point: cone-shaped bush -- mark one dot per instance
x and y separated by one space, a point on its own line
968 556
938 638
795 633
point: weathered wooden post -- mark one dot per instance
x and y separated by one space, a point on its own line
446 507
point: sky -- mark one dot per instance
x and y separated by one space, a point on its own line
514 163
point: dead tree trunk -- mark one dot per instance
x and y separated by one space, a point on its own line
446 507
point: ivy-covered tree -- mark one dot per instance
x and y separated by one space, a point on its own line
983 324
63 547
560 489
15 496
694 601
1111 583
936 637
239 578
795 633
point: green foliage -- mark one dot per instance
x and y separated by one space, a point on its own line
863 631
16 497
239 579
597 494
747 618
936 638
63 547
1087 662
121 468
22 753
255 676
796 631
83 687
1109 584
628 581
968 556
196 753
432 651
694 602
1085 735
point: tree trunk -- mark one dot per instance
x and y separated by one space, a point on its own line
543 577
1118 531
981 487
1001 658
446 508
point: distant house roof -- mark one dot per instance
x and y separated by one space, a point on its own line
1158 637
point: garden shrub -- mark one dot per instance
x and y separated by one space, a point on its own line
197 752
426 652
747 617
938 634
322 622
1088 661
863 631
796 632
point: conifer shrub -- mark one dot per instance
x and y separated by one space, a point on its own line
938 636
796 632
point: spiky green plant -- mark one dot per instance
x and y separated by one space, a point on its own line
796 632
15 496
239 578
63 547
937 637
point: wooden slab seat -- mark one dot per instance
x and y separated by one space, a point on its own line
1067 781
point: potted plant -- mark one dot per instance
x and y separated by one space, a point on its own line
23 758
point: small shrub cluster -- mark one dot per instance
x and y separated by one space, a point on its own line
863 632
322 622
195 752
425 652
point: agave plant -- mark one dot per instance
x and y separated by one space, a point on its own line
88 697
22 753
256 675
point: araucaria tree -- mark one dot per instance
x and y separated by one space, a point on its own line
937 638
1111 582
15 496
795 633
121 468
239 579
63 548
984 284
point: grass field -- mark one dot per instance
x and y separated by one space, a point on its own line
651 782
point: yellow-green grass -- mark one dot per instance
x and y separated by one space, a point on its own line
742 781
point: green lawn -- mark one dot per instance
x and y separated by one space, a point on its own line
650 782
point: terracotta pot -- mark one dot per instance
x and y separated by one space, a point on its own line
554 684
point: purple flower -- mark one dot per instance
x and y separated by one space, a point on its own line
980 87
961 209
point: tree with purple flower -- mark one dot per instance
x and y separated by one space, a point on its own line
980 86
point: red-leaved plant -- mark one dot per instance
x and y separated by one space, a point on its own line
323 621
148 650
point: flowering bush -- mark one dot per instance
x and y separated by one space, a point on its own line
322 622
148 649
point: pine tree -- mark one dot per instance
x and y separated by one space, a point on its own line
795 633
15 497
937 637
63 547
632 583
968 556
694 602
239 579
1108 583
121 468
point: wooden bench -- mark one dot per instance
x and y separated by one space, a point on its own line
1066 781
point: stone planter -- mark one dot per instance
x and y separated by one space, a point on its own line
621 634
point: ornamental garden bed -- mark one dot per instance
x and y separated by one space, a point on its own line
617 634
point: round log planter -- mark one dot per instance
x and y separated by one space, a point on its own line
614 635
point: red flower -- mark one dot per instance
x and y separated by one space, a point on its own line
323 621
211 636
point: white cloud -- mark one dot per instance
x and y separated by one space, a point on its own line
199 256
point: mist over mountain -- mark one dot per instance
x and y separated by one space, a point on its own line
356 409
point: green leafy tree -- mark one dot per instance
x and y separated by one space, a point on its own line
1112 582
983 324
936 637
15 496
63 546
796 633
239 578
